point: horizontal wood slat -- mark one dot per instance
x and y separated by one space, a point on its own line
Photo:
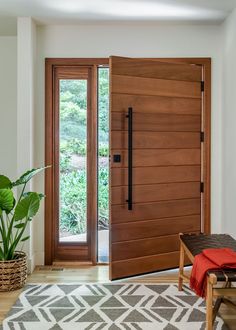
145 247
156 122
158 227
148 211
156 69
159 157
166 99
71 252
156 192
152 175
150 86
152 140
155 104
72 72
143 265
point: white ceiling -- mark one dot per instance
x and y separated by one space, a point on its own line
82 11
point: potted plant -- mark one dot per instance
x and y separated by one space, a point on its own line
15 214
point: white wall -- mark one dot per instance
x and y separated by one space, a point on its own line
26 53
229 131
8 132
138 41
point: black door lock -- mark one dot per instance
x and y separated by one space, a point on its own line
116 158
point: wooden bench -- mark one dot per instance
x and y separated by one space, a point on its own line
191 245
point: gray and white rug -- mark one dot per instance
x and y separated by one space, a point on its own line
116 306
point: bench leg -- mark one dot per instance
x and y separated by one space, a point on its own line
181 267
209 305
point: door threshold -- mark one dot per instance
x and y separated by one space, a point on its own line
102 264
72 263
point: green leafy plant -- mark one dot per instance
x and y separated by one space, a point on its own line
73 207
16 214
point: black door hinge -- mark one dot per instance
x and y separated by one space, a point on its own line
202 136
202 86
202 187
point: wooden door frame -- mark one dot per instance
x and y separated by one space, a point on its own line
206 129
205 62
50 64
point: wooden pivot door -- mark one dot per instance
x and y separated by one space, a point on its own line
158 163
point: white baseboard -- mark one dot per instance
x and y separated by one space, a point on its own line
37 259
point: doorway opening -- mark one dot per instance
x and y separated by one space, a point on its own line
158 170
103 165
77 125
73 159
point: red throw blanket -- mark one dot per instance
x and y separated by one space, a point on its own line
210 259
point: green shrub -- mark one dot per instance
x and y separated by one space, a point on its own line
65 162
73 201
79 147
73 206
103 194
103 150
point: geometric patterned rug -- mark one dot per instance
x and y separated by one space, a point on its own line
119 306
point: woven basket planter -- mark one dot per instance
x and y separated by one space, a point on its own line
13 273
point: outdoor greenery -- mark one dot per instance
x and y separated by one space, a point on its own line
73 131
15 215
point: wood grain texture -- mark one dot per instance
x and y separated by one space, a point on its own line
150 86
206 127
92 143
167 122
159 174
156 192
158 210
155 228
77 61
157 122
72 72
159 157
49 160
144 264
154 140
170 71
145 247
155 104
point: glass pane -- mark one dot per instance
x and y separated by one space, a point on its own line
103 164
73 170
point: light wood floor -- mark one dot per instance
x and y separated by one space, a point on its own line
95 274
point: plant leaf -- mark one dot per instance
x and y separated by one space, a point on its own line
41 196
27 207
1 254
20 225
25 238
5 182
6 200
27 176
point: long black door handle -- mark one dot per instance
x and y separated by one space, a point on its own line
130 158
